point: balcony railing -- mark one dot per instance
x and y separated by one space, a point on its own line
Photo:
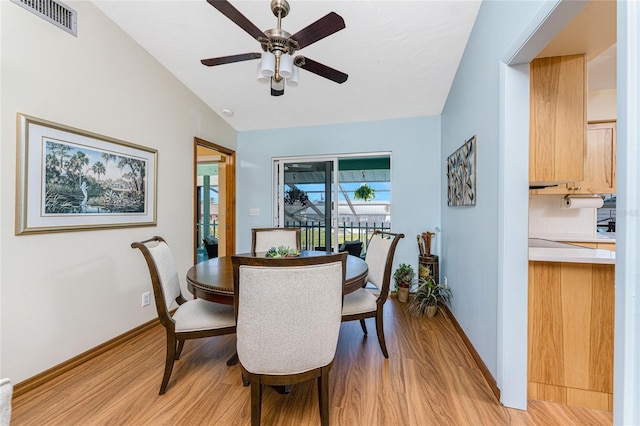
312 234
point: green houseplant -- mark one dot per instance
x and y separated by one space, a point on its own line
428 296
365 192
403 276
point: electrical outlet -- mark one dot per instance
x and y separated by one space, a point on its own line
254 212
145 299
445 281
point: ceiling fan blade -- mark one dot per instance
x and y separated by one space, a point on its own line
323 27
320 69
240 20
230 59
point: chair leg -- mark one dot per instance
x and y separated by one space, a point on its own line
233 360
323 395
180 346
168 365
256 400
380 332
364 326
245 381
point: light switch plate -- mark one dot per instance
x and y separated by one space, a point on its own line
254 212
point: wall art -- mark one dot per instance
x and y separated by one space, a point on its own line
71 179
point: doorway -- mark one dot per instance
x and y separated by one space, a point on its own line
214 200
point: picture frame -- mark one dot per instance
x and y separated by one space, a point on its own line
461 175
70 180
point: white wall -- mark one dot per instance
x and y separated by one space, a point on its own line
601 105
548 216
65 293
416 171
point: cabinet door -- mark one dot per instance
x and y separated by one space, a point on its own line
557 119
599 165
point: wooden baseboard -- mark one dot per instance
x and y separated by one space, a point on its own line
39 379
481 365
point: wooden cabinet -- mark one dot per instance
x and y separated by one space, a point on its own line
599 165
570 333
557 119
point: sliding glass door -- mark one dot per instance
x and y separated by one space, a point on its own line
333 200
305 192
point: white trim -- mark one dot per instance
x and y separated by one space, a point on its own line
626 379
513 163
549 21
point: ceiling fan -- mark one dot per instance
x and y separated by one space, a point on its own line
277 63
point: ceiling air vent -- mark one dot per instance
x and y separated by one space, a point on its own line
60 15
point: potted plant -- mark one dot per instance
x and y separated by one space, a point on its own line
403 276
365 192
428 296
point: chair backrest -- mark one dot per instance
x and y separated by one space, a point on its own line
164 276
288 311
262 239
379 258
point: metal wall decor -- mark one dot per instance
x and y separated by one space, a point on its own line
461 175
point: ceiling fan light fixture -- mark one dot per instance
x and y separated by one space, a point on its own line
277 87
261 77
277 64
286 65
293 80
268 64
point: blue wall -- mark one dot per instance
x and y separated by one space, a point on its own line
416 174
470 234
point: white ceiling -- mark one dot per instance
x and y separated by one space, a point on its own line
401 57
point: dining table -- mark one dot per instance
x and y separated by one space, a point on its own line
213 279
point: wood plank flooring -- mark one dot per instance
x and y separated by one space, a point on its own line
429 379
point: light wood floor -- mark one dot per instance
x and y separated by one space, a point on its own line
429 379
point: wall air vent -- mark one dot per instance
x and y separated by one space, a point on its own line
59 14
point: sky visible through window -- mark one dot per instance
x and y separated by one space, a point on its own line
316 191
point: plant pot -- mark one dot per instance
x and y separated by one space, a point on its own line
403 294
432 311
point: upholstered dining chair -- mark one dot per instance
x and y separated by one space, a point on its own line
6 392
262 239
192 319
288 314
362 303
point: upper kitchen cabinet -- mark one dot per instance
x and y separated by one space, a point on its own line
557 117
599 164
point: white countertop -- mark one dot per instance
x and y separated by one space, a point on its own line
595 237
551 251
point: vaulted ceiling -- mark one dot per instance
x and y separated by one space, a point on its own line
401 57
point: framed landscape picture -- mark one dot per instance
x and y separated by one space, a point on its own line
461 175
71 179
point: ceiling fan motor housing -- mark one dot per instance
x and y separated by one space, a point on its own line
279 41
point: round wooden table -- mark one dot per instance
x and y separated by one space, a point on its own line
213 279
